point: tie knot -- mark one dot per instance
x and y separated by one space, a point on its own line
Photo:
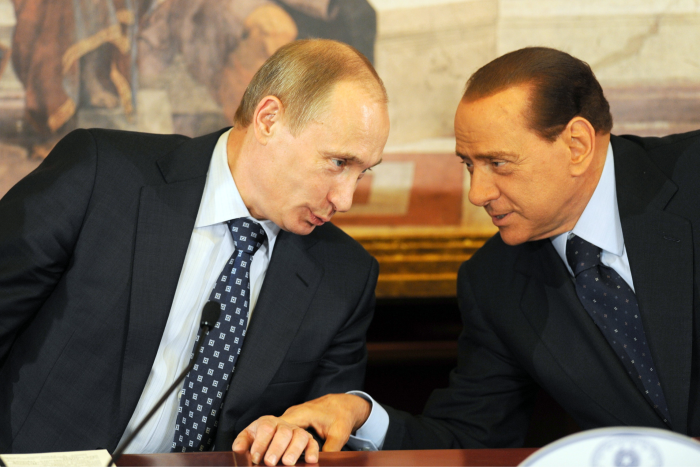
581 254
247 235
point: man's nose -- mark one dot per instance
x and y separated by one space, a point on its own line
482 189
341 195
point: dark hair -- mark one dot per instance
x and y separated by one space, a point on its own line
563 87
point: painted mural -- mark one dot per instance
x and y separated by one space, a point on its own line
148 65
180 66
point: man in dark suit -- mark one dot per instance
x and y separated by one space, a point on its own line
110 249
589 290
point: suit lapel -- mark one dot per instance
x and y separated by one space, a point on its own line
552 307
290 284
660 251
167 213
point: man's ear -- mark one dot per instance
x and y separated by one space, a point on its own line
579 135
267 117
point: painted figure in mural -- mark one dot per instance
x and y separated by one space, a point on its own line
72 54
4 58
353 22
224 42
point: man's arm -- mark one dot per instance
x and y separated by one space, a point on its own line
487 404
490 396
41 218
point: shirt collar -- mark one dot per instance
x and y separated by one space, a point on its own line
600 222
221 200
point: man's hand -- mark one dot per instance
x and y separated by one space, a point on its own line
334 417
274 438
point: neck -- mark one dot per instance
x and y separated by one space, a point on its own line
240 153
590 180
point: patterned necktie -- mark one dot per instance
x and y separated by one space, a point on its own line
202 395
613 306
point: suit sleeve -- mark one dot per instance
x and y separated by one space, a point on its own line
41 218
343 365
489 399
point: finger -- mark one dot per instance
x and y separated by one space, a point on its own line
299 441
243 441
263 435
279 444
338 435
311 456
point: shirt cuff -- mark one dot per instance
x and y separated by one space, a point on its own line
370 436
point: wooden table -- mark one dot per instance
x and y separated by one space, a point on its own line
451 457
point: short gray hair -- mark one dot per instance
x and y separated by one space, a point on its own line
302 75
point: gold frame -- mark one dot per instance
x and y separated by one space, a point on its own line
418 261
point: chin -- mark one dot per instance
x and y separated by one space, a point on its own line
512 238
299 228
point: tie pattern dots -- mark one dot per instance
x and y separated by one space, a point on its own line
202 395
613 306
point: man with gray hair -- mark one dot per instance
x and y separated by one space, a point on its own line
111 248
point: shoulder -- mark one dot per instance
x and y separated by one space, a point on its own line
669 151
135 159
676 142
130 143
118 147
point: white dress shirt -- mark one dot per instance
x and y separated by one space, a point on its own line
211 246
599 224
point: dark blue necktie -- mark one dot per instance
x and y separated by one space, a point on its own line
613 306
202 395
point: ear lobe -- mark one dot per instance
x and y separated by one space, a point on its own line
266 118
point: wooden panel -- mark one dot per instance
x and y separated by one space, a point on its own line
456 457
413 352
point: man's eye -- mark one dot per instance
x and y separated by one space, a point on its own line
338 162
498 163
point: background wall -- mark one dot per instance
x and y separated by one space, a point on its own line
426 49
644 52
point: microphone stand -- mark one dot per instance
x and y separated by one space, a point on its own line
206 326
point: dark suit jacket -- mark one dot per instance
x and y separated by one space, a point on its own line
91 247
524 326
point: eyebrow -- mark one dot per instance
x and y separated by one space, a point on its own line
490 156
351 158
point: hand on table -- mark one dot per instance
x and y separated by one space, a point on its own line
334 417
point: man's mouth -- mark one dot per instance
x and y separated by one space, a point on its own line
499 219
317 220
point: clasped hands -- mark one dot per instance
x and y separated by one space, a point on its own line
334 417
